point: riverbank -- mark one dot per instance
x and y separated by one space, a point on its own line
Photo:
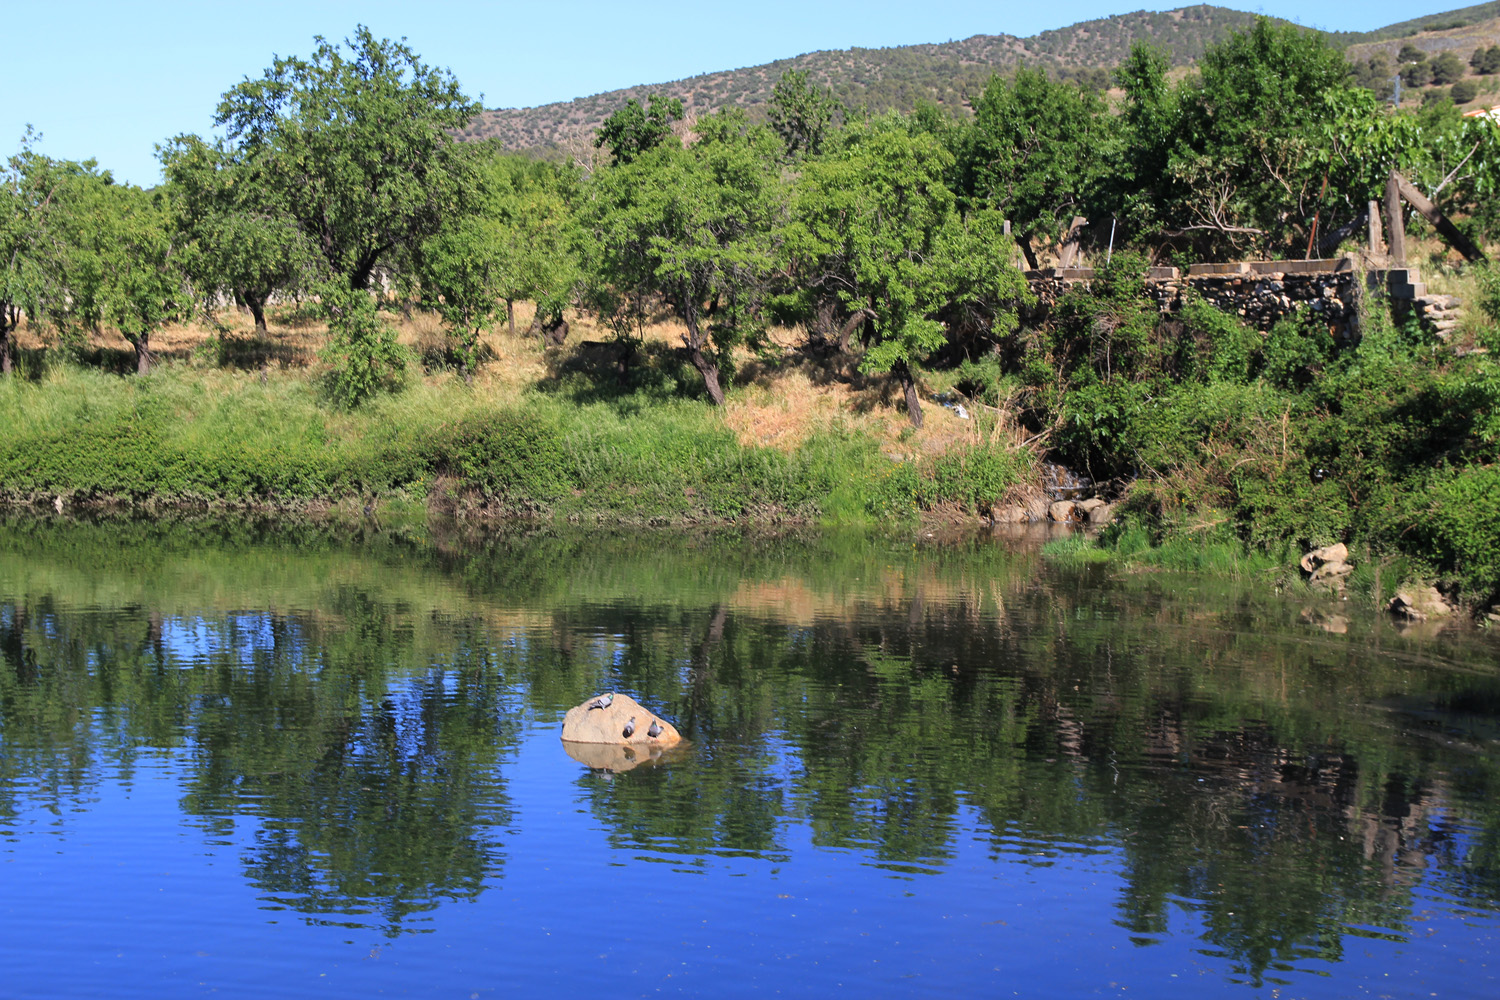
540 434
1216 439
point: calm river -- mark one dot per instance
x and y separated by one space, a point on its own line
290 762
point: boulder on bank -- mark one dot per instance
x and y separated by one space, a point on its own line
1062 510
1418 604
1009 514
624 721
1327 555
1328 566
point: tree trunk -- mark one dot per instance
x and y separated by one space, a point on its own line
823 330
143 358
710 373
694 341
1025 244
6 363
850 325
257 304
909 389
510 315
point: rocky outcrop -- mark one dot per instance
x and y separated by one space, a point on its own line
1091 511
618 719
1327 567
1420 604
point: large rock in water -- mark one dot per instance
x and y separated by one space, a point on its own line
608 725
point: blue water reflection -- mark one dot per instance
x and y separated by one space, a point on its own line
336 771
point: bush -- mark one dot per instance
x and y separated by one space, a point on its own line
362 353
1295 352
1464 91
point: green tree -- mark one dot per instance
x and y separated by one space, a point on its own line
1035 153
1248 151
531 204
121 267
363 355
693 226
801 113
357 148
235 238
1447 69
463 270
1417 74
634 130
875 224
1149 122
28 272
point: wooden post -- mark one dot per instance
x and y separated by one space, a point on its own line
1430 212
1397 231
1377 238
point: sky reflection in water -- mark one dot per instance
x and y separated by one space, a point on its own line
309 767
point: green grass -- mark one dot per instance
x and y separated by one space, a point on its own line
185 435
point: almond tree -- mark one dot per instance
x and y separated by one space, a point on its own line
693 225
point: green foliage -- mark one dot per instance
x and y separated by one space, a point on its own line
463 272
1240 151
1036 151
362 353
801 114
1215 347
876 226
1447 69
1487 277
120 267
357 149
232 235
634 130
529 205
1452 520
1464 91
30 271
693 225
1295 352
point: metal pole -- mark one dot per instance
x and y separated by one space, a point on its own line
1110 255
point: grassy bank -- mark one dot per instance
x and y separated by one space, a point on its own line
219 436
1228 451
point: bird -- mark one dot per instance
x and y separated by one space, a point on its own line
655 729
603 701
629 728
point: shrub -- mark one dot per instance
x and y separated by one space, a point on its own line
362 353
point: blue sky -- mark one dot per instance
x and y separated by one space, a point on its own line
110 80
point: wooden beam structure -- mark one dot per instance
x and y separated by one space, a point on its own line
1430 212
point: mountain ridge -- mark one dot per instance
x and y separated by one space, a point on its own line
947 74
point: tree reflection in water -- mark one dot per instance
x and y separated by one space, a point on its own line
360 704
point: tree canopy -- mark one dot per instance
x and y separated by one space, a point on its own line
356 145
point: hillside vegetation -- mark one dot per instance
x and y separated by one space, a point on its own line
952 74
706 277
948 74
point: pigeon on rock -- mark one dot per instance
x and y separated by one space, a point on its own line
655 729
629 728
603 701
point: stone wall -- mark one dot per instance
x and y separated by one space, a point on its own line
1263 292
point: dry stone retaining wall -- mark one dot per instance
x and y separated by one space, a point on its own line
1263 292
